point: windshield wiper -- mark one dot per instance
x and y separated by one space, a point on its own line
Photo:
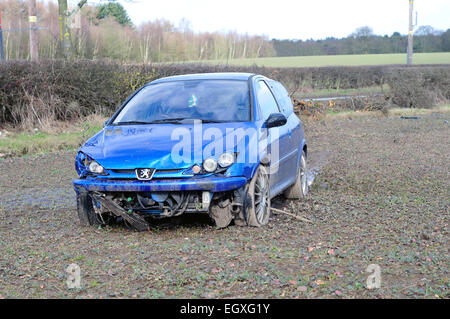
174 120
131 122
212 121
181 120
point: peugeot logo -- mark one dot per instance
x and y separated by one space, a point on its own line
144 174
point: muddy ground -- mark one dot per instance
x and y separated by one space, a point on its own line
381 196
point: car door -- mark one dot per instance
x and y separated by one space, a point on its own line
293 126
277 148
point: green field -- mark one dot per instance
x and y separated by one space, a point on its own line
342 60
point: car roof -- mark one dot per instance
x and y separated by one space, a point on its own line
206 76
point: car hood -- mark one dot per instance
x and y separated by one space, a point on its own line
139 146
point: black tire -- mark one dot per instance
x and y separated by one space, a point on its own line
257 208
300 187
86 212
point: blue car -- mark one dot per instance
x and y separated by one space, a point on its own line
222 144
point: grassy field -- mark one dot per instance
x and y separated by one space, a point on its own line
340 60
375 200
61 137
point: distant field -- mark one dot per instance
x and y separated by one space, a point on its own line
343 60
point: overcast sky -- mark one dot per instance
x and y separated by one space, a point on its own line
292 19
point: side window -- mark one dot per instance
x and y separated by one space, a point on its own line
283 98
266 101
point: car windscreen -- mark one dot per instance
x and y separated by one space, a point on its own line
206 100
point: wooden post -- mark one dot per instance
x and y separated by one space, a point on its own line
32 19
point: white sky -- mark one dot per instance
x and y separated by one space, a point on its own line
292 19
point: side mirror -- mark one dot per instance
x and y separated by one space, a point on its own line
275 120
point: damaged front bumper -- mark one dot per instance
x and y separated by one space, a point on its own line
160 197
213 184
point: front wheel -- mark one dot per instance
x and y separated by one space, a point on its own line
300 188
257 208
86 211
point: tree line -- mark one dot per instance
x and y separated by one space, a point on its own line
106 31
364 41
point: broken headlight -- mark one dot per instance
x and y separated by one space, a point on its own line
85 165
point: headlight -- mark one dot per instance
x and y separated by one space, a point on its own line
95 167
226 159
210 165
82 160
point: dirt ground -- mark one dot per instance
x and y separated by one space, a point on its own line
380 196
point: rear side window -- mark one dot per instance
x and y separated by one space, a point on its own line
283 98
266 101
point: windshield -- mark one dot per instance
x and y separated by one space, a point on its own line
206 100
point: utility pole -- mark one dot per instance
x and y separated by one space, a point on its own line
409 60
66 42
64 14
2 51
32 19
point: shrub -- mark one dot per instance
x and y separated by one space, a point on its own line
33 93
419 87
408 89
